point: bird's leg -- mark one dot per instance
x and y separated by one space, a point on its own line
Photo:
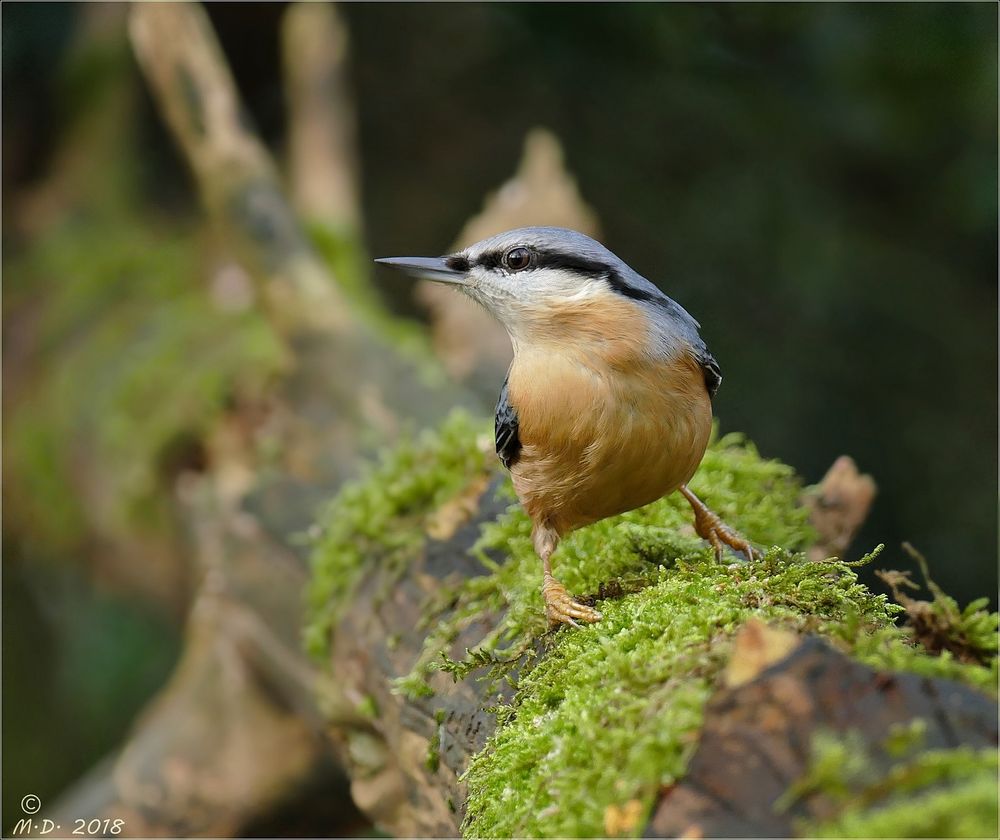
560 606
710 527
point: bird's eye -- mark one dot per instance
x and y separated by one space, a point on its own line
517 259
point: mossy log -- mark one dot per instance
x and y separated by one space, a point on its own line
483 722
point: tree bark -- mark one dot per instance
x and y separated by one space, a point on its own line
405 771
755 744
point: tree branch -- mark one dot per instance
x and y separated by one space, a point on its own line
322 154
238 181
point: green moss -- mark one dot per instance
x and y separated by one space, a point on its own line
940 624
433 760
965 809
924 793
892 649
756 495
382 515
368 707
904 738
611 712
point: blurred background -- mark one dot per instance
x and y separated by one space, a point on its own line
817 184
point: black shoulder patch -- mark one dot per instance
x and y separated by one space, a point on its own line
505 427
710 367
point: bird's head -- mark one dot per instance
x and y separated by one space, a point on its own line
532 277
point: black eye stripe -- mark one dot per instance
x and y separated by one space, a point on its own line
457 263
595 268
619 286
583 267
490 260
570 262
548 259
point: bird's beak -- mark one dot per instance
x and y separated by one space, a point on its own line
433 268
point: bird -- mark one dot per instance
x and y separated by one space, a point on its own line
607 404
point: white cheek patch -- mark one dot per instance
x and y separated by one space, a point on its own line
533 289
524 302
555 284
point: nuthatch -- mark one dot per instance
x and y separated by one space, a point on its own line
607 405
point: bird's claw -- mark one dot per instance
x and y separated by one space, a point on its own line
718 533
563 608
710 527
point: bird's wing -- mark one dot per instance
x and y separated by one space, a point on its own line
505 426
710 367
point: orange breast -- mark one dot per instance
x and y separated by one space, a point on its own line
604 428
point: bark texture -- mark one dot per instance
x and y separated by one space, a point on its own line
405 770
757 738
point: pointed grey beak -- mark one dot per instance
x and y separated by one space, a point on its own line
433 268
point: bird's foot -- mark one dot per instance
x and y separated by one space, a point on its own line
563 608
709 526
718 533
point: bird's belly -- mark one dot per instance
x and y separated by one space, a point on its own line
629 442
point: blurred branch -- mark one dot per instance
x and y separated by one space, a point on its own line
185 68
217 749
236 730
839 506
66 504
321 127
93 139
